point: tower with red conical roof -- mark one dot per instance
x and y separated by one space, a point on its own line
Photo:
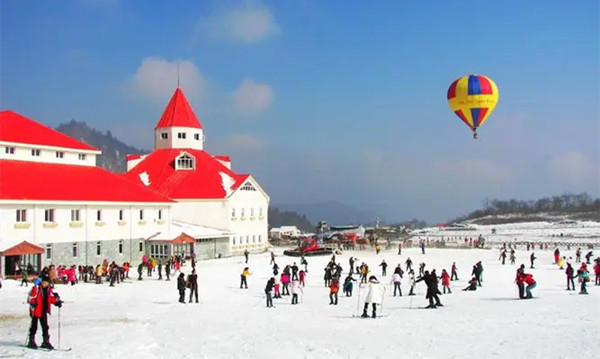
178 126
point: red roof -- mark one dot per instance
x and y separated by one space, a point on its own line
21 249
24 180
223 158
178 113
183 238
203 182
17 128
133 157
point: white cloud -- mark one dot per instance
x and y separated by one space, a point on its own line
572 166
246 24
252 98
474 170
243 143
156 78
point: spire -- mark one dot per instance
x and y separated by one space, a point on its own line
178 113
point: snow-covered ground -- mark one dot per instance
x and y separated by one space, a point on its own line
143 319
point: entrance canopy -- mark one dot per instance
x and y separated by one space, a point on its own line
23 248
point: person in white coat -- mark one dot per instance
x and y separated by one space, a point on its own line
396 281
296 289
375 295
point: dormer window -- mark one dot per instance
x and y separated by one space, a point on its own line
60 154
164 136
35 152
185 162
81 156
9 150
181 135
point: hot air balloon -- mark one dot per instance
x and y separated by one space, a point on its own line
473 98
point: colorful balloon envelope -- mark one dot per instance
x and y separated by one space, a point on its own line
473 98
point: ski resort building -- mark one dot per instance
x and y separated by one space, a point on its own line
57 206
204 188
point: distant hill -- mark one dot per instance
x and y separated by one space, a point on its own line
279 218
113 150
335 213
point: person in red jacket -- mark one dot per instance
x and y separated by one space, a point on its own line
445 281
597 271
528 279
334 287
40 301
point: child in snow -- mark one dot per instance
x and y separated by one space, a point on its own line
276 286
333 291
244 275
528 279
375 294
583 276
472 285
296 289
302 276
445 281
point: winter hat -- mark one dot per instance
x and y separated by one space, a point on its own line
45 278
37 281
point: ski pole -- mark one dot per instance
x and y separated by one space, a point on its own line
59 327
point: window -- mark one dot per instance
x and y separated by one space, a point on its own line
9 150
21 215
60 154
75 215
185 162
98 248
197 136
75 251
141 248
48 251
35 152
99 215
251 212
233 241
141 214
233 212
260 238
81 156
164 136
247 239
120 247
49 215
121 215
159 214
243 212
253 238
248 187
181 135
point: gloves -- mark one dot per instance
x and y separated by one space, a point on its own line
59 303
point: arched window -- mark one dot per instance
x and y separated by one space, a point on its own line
248 187
184 162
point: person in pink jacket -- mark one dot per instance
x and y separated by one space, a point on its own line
302 276
276 287
296 289
285 282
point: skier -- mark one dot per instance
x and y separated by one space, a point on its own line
285 282
432 289
412 282
140 270
304 262
375 296
333 291
348 285
519 282
479 272
570 275
383 266
503 256
454 275
588 256
421 269
243 276
327 276
556 255
40 299
445 281
168 269
294 271
583 278
528 279
296 289
408 265
181 287
193 285
532 259
597 271
302 277
578 255
351 261
397 280
272 258
268 288
512 256
246 253
277 284
364 270
472 285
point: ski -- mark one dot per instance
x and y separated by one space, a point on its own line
50 350
379 316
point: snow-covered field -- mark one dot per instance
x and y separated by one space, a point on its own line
143 319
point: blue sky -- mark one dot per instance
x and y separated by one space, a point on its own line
330 100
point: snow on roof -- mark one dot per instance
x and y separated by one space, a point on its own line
20 129
208 179
178 228
25 180
178 113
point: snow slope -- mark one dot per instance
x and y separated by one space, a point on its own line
143 319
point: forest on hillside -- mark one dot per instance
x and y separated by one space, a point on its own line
567 203
278 218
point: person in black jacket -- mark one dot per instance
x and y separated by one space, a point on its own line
294 271
168 269
193 285
570 275
383 266
159 270
268 289
181 287
432 289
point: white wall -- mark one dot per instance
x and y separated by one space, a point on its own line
251 227
174 142
209 213
66 231
47 154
